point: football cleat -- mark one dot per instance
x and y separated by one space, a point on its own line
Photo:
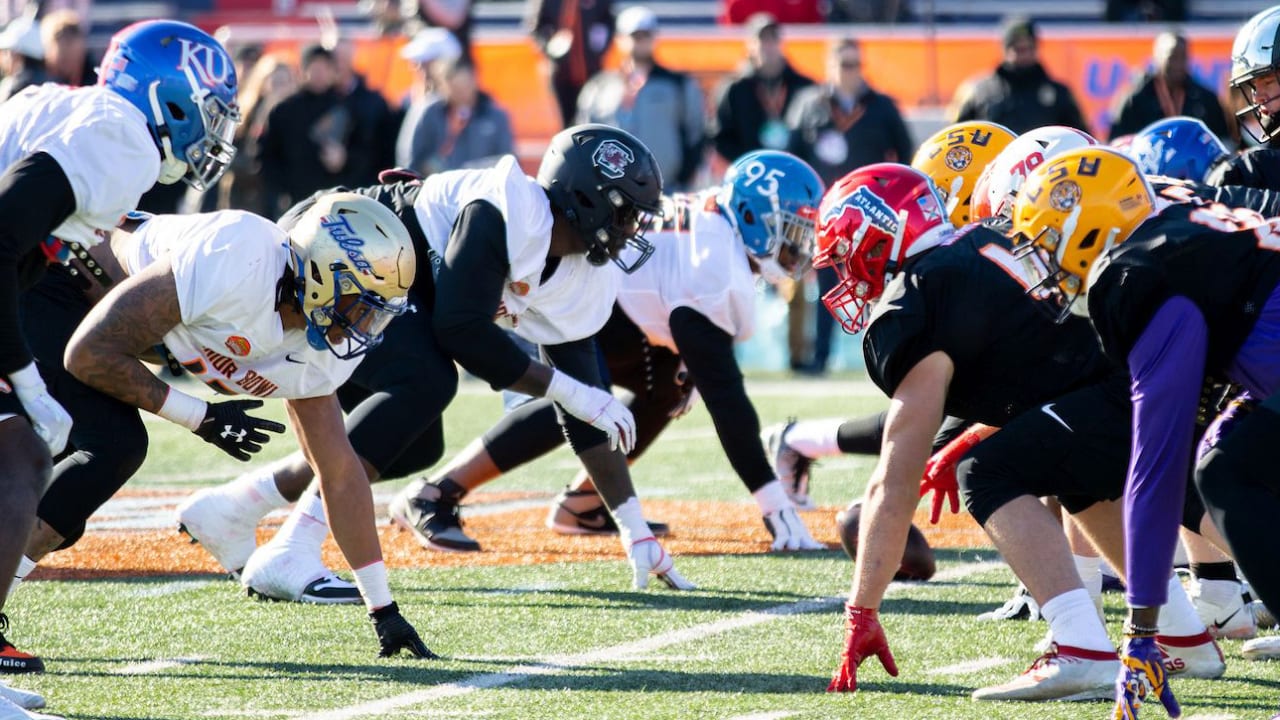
222 526
22 698
790 467
1063 673
1019 607
277 572
1232 619
1192 656
1262 648
12 660
434 523
569 517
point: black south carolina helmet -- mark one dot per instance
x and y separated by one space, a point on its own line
608 186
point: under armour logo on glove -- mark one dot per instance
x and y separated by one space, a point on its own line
241 434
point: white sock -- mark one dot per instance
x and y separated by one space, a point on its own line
771 498
1220 592
1090 571
631 524
306 527
814 438
256 491
1178 617
25 566
1074 621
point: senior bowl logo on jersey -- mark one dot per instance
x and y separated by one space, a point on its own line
869 208
238 345
612 158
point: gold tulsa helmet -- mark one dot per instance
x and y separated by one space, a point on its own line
1070 211
954 158
354 263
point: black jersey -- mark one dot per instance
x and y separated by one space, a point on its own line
1266 203
969 299
1194 251
1257 167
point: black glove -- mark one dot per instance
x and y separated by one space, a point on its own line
396 634
229 426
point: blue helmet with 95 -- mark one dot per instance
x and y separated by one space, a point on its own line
184 83
353 265
1176 147
771 198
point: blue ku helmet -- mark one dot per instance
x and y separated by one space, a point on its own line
1176 147
184 82
771 198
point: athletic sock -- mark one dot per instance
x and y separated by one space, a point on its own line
1178 616
1074 621
1225 570
256 492
1090 571
25 566
307 526
814 438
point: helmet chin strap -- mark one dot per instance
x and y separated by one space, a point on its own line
171 169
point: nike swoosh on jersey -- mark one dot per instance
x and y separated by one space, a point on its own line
292 359
1048 410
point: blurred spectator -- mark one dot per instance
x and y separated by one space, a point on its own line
1168 90
451 15
660 106
66 53
869 11
736 12
1020 95
573 35
839 127
21 56
1146 10
462 127
303 147
371 146
751 109
270 80
428 47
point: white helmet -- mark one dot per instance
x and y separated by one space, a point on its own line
1255 53
354 263
996 189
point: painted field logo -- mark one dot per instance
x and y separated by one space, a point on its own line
238 345
345 236
612 158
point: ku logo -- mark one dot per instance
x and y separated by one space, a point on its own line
863 206
228 432
211 66
612 158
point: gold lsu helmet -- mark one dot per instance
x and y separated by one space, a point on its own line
955 156
1073 209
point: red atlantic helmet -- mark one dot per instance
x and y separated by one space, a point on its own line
870 221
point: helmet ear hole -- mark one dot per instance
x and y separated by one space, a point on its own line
176 112
748 217
1089 239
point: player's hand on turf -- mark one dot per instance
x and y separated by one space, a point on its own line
940 474
789 531
229 425
864 638
48 418
595 407
1142 677
396 634
647 558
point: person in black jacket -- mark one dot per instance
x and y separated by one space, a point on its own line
1168 90
1020 95
574 36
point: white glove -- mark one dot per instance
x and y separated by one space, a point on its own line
648 557
789 531
690 394
51 422
595 407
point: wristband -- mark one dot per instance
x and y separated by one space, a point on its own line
26 377
183 409
372 581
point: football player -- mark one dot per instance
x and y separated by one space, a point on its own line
497 249
954 332
1177 147
248 310
75 160
1255 74
1176 296
668 340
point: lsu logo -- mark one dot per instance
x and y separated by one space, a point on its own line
238 345
341 232
863 206
210 65
612 159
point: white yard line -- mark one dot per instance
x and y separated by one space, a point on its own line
169 588
554 665
155 666
970 667
775 715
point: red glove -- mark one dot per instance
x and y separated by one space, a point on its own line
865 638
940 474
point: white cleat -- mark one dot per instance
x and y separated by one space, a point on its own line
1019 607
1192 656
11 711
789 466
221 525
24 699
1064 673
1233 619
276 572
1262 648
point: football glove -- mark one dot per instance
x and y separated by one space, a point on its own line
689 394
595 407
1142 675
50 421
396 634
648 557
789 531
229 426
940 474
865 638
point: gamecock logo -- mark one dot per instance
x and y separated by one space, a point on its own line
612 159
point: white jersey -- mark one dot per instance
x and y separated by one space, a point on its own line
227 265
545 314
100 141
701 265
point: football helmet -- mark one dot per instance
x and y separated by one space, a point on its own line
608 186
955 157
1176 147
184 83
870 221
1072 210
996 189
771 198
353 262
1255 53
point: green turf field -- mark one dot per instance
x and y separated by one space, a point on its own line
758 640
